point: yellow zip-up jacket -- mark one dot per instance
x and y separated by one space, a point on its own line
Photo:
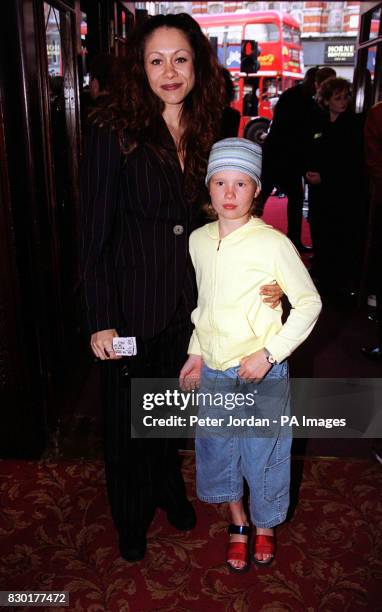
231 320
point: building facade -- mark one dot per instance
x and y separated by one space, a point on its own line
329 29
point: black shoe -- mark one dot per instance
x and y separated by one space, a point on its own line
132 547
183 517
374 352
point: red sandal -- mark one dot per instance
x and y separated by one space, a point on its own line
265 545
238 551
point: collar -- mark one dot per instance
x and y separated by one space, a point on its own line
213 229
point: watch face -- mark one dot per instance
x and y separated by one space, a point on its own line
271 359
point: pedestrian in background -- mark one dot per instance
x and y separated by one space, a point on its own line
336 189
231 116
285 147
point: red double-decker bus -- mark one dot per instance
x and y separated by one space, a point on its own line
278 36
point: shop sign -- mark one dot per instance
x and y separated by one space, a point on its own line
339 53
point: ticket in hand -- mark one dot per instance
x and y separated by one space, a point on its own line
125 347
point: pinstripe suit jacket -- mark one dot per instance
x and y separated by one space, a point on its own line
135 268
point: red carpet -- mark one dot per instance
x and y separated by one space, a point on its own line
56 534
275 213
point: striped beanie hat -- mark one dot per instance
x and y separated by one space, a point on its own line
235 154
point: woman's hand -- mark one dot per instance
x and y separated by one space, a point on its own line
313 178
102 344
273 294
254 367
189 377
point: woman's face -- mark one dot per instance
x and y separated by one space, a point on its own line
169 65
338 102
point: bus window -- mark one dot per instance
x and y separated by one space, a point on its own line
271 91
291 35
262 32
229 44
216 32
270 88
234 35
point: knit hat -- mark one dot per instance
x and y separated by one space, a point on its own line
235 154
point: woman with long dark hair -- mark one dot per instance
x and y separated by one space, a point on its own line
143 172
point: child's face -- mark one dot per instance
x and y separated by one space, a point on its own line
232 193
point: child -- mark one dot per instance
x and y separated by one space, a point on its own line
240 344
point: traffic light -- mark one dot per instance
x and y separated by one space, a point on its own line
250 51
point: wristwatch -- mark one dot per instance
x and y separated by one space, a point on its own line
268 356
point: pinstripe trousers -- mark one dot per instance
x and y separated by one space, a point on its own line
142 474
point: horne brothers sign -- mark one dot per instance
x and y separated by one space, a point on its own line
339 53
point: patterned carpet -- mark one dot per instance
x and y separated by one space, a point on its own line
56 534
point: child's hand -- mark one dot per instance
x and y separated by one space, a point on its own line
189 377
273 294
254 367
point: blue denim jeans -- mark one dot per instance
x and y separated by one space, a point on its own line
259 452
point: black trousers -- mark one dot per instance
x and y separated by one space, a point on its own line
337 230
142 473
291 185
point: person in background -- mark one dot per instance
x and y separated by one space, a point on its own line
104 75
373 152
321 75
336 189
239 349
283 151
231 117
107 74
142 187
285 146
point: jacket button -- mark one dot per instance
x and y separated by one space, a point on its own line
178 230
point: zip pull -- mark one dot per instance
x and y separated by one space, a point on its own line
219 244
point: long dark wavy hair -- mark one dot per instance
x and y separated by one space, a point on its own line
135 110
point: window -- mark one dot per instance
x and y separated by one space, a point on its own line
84 49
370 63
216 8
216 32
179 8
262 32
375 20
53 40
371 26
298 15
335 20
234 35
291 35
229 43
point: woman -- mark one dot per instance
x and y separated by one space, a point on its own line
335 177
142 183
